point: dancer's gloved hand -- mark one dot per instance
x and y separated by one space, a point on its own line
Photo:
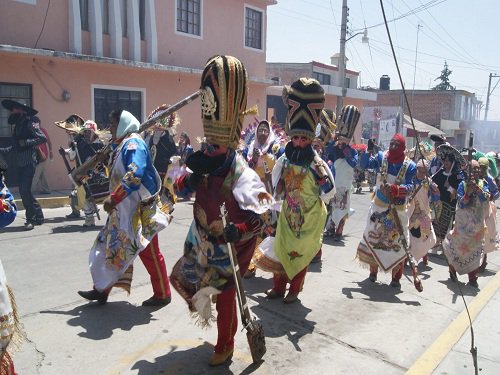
231 233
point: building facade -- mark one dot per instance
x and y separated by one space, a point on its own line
90 57
444 110
283 74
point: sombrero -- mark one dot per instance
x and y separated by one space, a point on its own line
72 124
438 139
444 150
10 104
426 151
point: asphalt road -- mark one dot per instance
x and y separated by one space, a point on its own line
344 324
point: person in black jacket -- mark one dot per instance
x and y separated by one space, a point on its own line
26 136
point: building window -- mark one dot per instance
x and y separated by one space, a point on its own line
18 92
84 14
105 16
107 100
142 18
253 28
189 16
347 82
322 78
123 14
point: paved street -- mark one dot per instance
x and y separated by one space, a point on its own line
343 324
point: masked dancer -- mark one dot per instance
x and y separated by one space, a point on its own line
220 175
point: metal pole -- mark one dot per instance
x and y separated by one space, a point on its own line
341 67
487 99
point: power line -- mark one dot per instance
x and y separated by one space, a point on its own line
43 26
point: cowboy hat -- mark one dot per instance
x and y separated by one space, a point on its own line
444 150
73 123
438 139
10 105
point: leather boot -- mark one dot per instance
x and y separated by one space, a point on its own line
94 295
218 359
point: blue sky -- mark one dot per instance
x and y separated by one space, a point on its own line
464 33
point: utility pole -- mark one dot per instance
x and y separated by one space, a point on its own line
341 67
488 95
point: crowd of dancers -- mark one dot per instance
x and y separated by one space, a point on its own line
284 189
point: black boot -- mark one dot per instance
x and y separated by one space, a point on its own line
94 295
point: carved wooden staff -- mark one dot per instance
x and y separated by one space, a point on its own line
255 331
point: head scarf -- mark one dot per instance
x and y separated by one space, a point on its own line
128 124
397 155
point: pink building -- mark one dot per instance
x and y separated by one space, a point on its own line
90 57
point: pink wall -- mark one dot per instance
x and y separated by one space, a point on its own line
222 33
77 77
25 21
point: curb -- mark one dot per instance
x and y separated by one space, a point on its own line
52 202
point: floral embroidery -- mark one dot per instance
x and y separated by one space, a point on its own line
294 255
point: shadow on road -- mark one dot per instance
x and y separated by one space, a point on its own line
377 292
279 319
13 229
189 361
75 228
455 287
99 321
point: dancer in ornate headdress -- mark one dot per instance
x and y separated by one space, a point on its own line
422 236
491 235
463 245
447 178
381 245
263 146
162 147
135 218
220 175
344 159
305 180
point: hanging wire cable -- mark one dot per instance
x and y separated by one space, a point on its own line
473 349
43 26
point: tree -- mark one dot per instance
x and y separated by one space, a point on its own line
445 79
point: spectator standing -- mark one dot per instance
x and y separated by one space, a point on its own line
26 136
44 153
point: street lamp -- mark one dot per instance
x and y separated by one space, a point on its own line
342 62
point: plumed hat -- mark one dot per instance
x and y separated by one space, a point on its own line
327 117
168 123
89 125
305 99
325 127
348 120
438 139
72 124
223 100
10 104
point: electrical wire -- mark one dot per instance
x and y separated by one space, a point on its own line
43 26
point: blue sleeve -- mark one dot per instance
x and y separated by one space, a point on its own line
352 160
493 188
364 160
375 161
134 156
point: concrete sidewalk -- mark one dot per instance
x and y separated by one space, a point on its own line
451 351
